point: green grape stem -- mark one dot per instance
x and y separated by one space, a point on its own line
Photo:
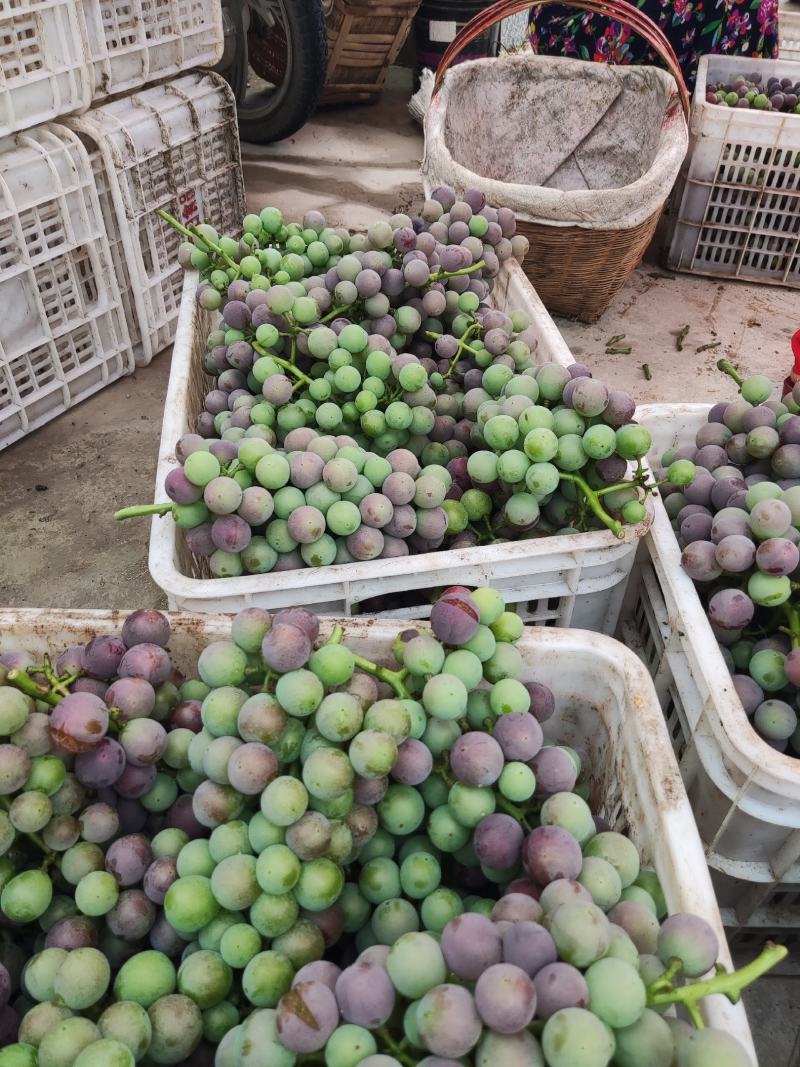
332 314
729 984
396 679
337 635
395 1048
593 500
21 680
137 510
455 273
793 629
728 368
193 233
290 367
49 855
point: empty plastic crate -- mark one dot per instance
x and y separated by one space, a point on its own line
605 708
737 202
130 44
745 795
173 146
62 330
573 580
789 28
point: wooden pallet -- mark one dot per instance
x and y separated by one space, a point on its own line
364 38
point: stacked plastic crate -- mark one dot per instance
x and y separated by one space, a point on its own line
88 277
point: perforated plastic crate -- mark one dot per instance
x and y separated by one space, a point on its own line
62 332
789 28
745 795
605 708
173 146
572 580
139 41
43 70
737 202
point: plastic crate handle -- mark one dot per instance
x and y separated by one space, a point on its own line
618 10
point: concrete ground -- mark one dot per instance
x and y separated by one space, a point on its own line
59 487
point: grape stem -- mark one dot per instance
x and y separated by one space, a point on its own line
136 510
22 681
290 367
393 678
193 233
337 635
729 984
395 1048
49 854
793 629
455 273
728 368
336 311
593 500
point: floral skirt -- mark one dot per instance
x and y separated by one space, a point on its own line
693 28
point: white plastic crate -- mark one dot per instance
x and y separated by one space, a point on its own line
62 331
737 204
789 29
572 580
43 71
173 146
605 708
745 795
139 41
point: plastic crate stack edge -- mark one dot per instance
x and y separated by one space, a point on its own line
737 203
63 334
173 146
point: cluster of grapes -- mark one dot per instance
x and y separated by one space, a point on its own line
739 525
317 845
779 94
408 416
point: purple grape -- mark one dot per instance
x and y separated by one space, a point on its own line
128 858
146 626
134 782
519 735
74 931
619 410
505 998
103 654
559 985
555 771
735 553
550 852
470 943
529 946
730 609
158 877
517 907
476 759
146 660
370 790
413 764
79 722
365 995
497 841
777 555
749 692
90 685
690 939
699 560
447 1021
638 922
134 698
70 661
187 716
230 533
300 617
695 528
133 915
101 766
181 815
179 489
307 1016
251 767
98 823
144 741
285 647
454 618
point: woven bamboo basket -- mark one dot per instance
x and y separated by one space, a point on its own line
577 271
364 38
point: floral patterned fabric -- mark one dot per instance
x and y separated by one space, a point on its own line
693 28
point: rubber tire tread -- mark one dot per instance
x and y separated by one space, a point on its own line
308 39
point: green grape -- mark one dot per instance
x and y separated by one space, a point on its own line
646 1043
372 753
41 971
284 800
239 943
19 1055
439 908
234 883
348 1045
617 850
144 978
633 442
517 782
206 978
26 896
509 695
389 717
321 881
299 692
303 943
379 880
402 810
423 655
62 1045
327 773
445 831
469 804
420 874
445 697
82 978
189 904
210 936
393 918
266 978
277 869
272 915
339 717
380 844
574 1037
195 858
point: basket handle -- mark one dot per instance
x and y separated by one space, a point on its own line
618 10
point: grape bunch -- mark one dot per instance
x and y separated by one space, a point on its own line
369 403
747 91
315 858
738 523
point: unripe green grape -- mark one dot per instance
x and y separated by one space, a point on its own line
144 978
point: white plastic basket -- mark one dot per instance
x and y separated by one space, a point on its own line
173 146
789 28
573 580
737 202
43 71
130 44
62 332
605 708
745 795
